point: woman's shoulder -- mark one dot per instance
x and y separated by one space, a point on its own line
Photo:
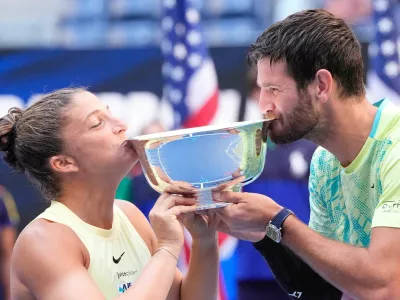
46 231
45 252
41 239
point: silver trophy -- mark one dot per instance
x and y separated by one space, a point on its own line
204 160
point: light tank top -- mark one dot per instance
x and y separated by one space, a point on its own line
117 256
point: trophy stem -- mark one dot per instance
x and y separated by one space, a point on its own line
205 200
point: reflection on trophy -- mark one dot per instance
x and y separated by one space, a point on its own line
203 160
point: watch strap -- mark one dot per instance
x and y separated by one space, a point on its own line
278 220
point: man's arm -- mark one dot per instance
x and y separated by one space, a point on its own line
293 275
363 273
366 273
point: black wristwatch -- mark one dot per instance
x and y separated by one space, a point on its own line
274 227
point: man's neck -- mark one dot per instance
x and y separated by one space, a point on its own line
92 202
350 124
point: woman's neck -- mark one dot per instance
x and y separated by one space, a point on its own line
92 202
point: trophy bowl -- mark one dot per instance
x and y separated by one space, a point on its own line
202 160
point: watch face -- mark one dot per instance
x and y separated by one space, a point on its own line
273 233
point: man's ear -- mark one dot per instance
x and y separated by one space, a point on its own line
63 164
324 84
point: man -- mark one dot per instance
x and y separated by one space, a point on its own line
310 71
9 220
285 177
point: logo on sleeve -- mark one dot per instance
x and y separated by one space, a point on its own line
391 206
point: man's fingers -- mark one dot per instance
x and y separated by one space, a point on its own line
223 213
222 227
231 197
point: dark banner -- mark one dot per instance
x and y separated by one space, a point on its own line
24 73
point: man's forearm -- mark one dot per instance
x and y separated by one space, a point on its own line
293 275
201 281
349 268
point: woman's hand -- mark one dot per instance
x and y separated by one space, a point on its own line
164 220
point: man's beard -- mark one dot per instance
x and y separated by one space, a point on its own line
303 122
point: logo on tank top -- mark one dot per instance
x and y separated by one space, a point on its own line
116 260
123 287
124 284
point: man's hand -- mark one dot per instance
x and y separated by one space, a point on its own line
248 212
246 218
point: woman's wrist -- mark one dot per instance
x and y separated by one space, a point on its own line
175 250
206 242
166 250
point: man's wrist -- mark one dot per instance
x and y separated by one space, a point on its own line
274 229
287 226
270 214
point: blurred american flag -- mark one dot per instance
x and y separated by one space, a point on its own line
384 77
191 90
190 80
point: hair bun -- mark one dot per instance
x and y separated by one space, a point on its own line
8 132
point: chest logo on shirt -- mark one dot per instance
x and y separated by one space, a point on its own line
122 288
116 260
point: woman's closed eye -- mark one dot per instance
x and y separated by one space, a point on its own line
97 124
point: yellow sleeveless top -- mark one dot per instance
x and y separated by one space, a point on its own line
117 256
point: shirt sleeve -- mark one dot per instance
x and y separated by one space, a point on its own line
319 215
387 212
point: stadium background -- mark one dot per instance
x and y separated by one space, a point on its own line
115 49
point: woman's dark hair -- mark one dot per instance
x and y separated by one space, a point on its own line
311 40
29 138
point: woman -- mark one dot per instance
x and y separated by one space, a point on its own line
87 245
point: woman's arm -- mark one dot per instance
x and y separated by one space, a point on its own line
201 280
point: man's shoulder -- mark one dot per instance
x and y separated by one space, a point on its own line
389 123
322 158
